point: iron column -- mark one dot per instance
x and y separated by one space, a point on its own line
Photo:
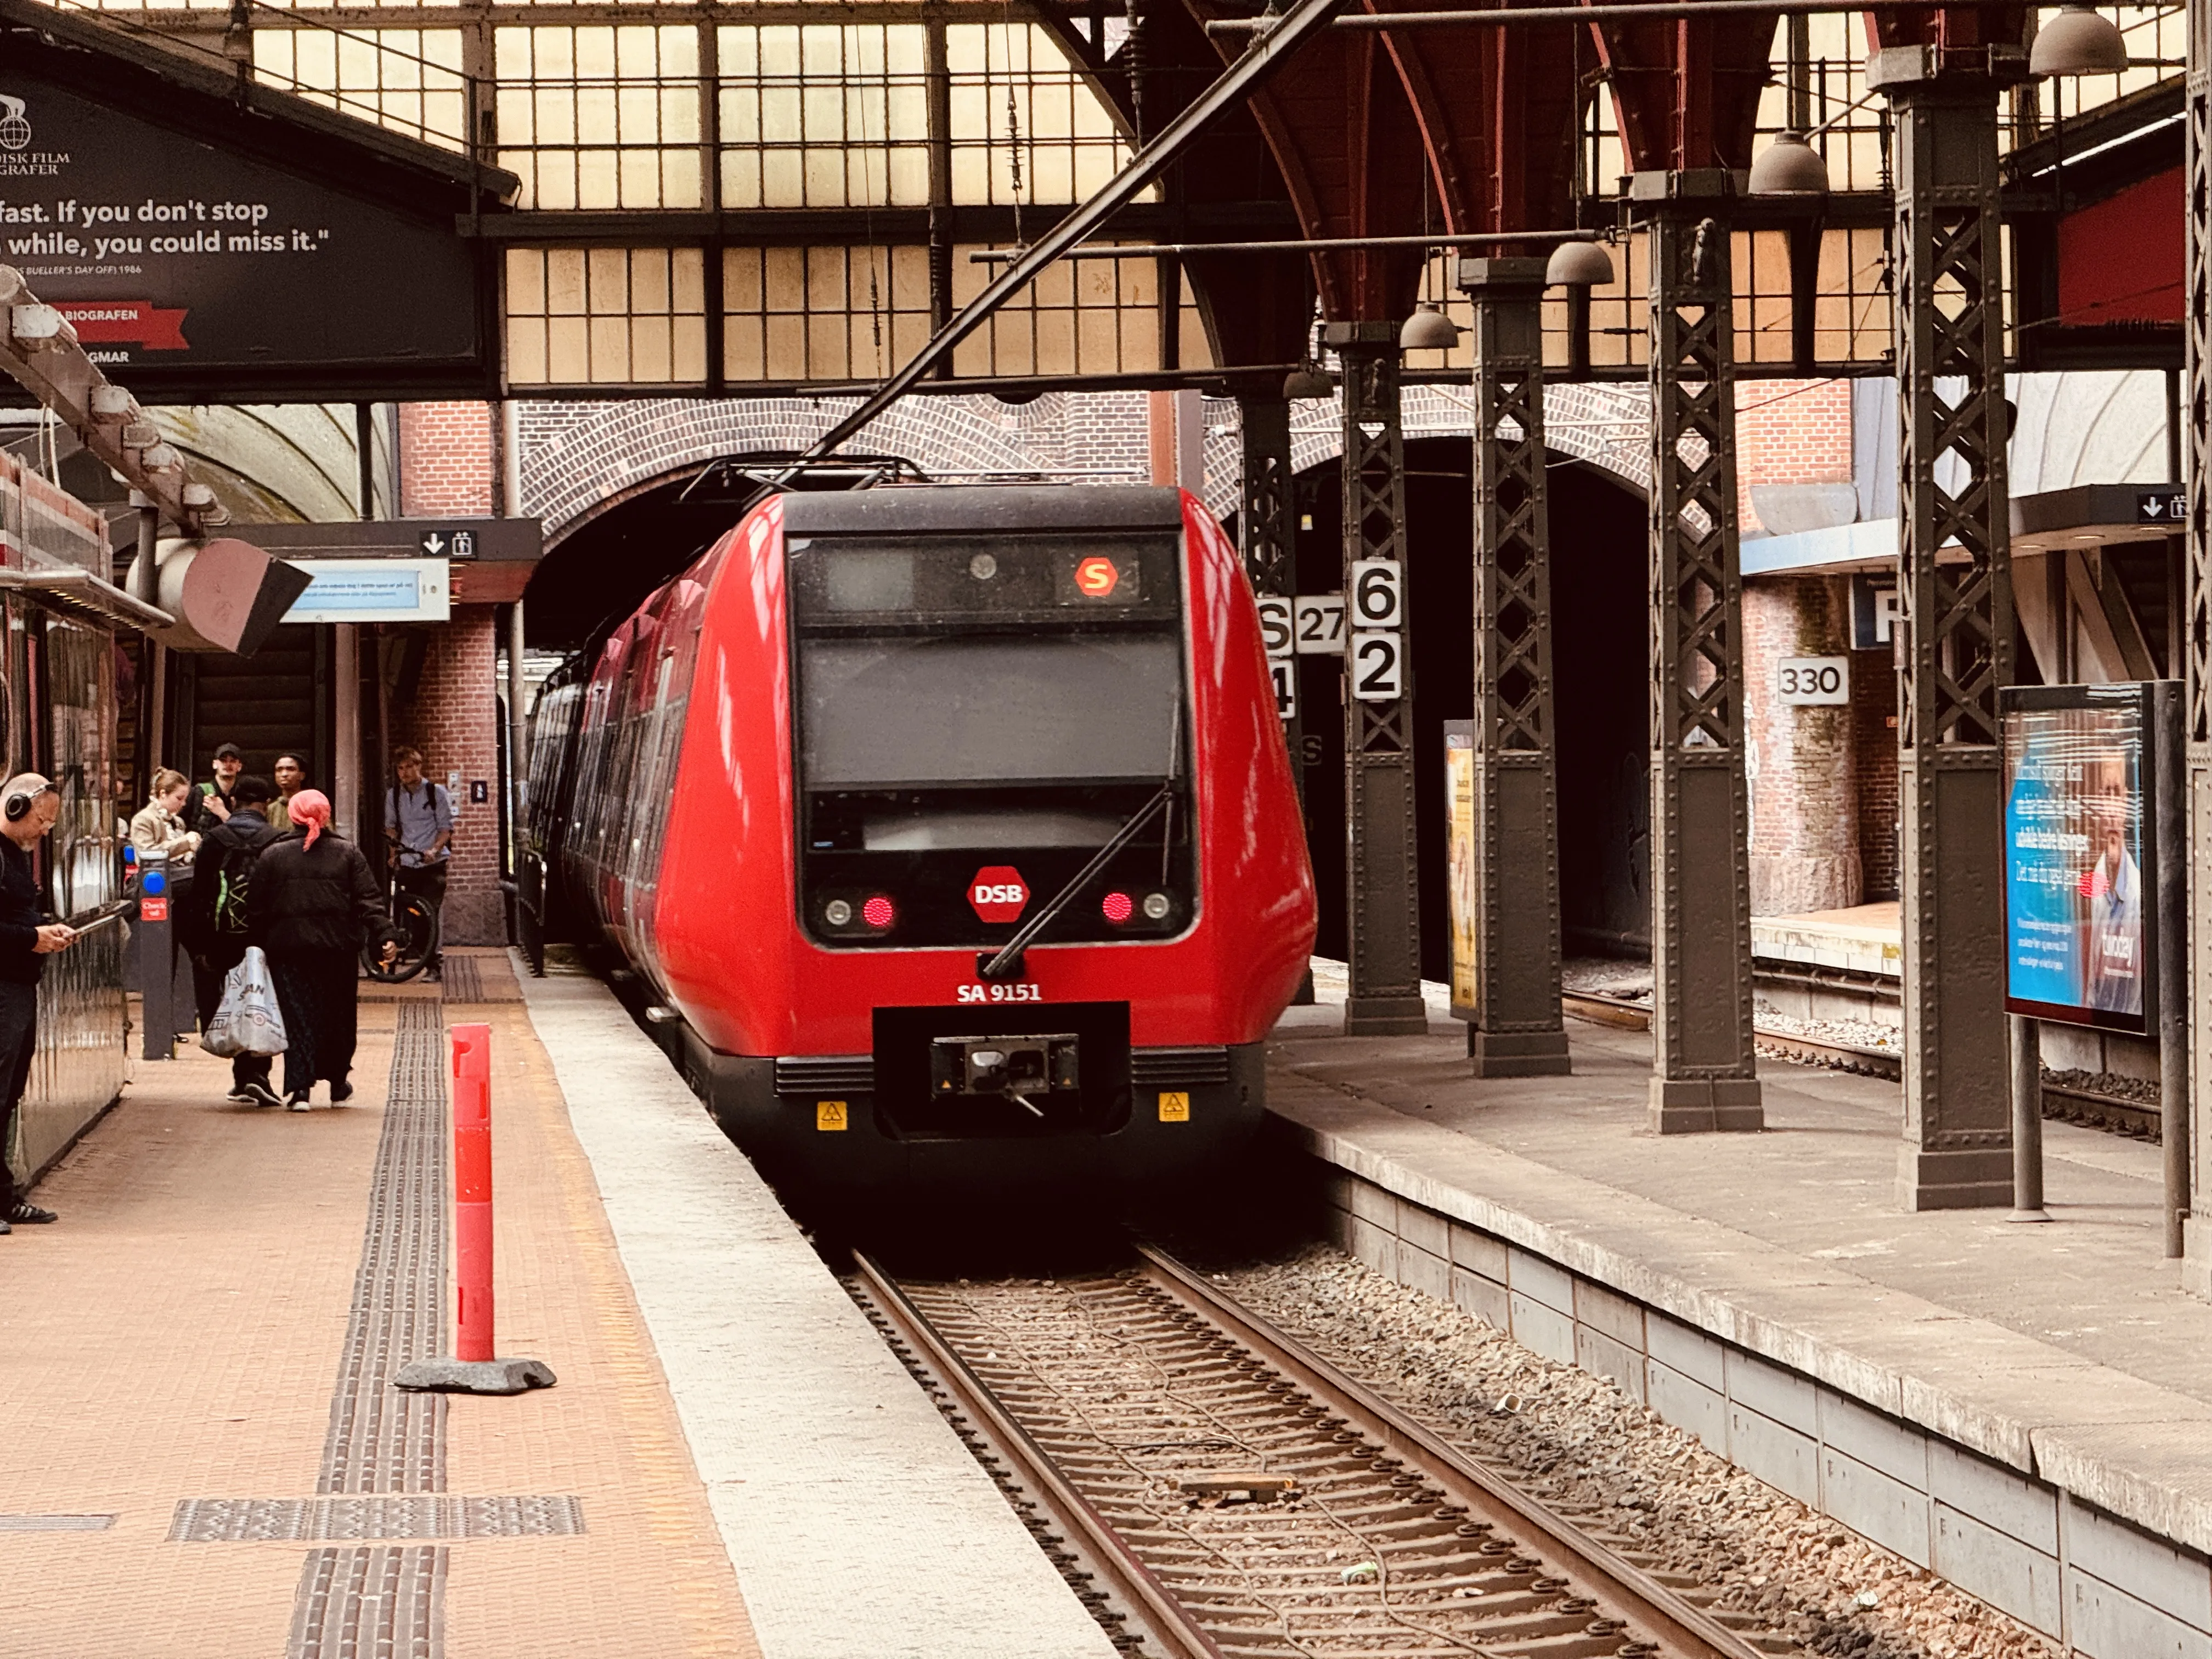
1516 1029
1957 621
2195 623
1267 524
1705 1074
1381 889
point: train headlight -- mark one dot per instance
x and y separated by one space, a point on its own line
878 912
1116 907
837 913
1156 906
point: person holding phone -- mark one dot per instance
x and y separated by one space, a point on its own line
28 807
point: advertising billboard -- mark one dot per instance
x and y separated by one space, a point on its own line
184 262
2080 905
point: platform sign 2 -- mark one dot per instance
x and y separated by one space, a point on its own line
2080 910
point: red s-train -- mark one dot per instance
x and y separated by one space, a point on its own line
950 828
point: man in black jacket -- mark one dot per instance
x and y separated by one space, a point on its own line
216 922
28 807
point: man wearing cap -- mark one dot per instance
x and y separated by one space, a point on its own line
28 807
211 803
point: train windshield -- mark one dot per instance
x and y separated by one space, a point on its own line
967 699
970 709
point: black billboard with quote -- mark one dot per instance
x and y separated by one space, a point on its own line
198 263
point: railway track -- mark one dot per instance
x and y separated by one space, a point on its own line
2078 1106
1214 1490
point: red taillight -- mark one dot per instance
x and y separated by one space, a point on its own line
878 912
1116 907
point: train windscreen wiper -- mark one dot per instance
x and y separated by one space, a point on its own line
1007 962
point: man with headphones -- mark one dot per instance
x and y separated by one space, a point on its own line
28 806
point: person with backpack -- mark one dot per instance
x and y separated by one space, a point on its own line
216 917
315 903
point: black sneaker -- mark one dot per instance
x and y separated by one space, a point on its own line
341 1091
4 1228
24 1213
259 1094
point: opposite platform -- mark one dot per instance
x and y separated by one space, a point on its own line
2026 1408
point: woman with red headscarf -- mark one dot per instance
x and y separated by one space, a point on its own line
314 903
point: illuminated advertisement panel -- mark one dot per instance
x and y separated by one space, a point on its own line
2079 908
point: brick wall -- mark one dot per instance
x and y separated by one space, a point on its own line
1790 432
446 468
1804 818
445 459
453 720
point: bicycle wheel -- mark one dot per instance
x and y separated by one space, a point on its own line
417 919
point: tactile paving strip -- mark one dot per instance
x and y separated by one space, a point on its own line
381 1439
425 1514
355 1603
55 1522
388 1602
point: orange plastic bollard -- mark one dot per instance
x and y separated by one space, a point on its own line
472 1338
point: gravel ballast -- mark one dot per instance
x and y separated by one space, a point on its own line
1575 1440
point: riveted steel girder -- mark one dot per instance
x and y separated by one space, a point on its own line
2196 623
1514 1025
1957 623
1382 889
1266 522
1703 1069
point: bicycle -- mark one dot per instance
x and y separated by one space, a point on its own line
417 920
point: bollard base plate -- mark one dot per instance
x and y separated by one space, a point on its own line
475 1376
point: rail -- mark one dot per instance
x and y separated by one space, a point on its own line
1433 1517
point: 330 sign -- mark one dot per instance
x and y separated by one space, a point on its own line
1811 681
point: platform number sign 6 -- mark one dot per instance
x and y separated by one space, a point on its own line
1377 593
1275 631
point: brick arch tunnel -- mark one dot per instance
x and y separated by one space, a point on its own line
1600 643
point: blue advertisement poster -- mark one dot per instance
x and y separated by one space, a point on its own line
2077 947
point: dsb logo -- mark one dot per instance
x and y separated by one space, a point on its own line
999 893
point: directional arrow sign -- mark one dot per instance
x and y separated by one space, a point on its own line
433 544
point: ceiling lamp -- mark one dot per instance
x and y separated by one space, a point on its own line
1789 167
2078 41
1308 382
1428 330
1578 265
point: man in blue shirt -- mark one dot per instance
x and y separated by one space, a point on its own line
418 828
28 807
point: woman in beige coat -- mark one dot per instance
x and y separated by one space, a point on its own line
159 828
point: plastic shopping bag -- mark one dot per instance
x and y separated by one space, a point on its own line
249 1022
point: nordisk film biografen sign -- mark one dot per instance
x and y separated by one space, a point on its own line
167 253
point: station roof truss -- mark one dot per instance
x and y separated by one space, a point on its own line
717 199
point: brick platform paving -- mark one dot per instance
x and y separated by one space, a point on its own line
177 1337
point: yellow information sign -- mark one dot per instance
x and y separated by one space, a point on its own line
1174 1108
830 1114
1460 859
